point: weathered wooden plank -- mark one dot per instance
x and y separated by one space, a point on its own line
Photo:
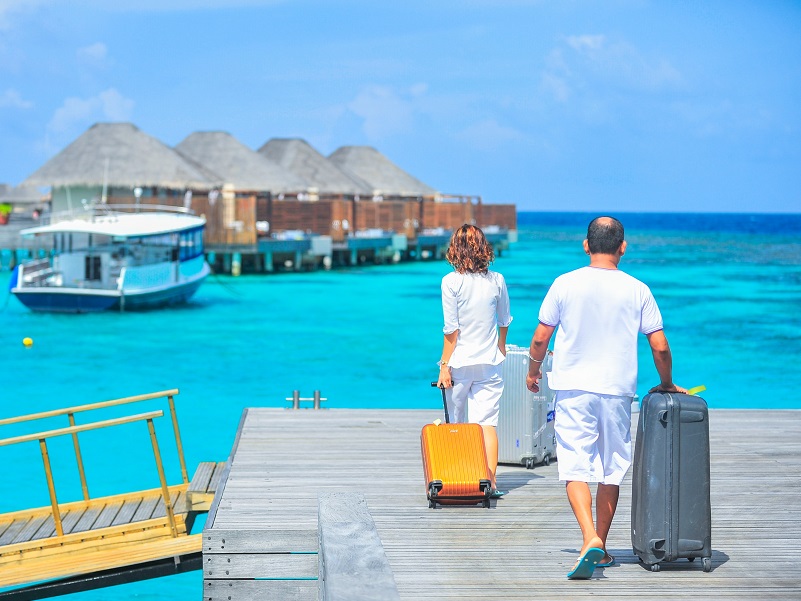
353 565
13 530
279 539
202 478
239 590
107 515
87 519
30 530
146 508
286 566
127 511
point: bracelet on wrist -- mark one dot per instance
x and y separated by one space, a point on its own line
536 360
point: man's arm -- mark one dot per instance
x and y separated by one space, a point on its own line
536 353
663 360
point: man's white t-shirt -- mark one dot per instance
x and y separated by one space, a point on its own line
475 304
599 313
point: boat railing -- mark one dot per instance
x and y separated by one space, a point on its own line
36 272
94 211
43 437
74 429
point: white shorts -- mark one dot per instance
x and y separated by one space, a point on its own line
593 436
476 394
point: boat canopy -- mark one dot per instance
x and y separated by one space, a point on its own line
122 225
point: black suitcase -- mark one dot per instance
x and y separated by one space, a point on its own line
671 512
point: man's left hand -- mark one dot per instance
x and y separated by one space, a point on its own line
671 388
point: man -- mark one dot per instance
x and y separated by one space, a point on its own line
599 311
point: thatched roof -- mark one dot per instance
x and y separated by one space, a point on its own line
134 159
299 157
20 194
239 165
382 174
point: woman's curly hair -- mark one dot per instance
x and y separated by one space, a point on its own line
469 251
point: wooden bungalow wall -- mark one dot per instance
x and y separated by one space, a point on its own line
398 216
504 216
231 221
447 215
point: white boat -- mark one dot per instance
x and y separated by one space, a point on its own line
114 257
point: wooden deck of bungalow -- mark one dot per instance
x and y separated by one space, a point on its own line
261 538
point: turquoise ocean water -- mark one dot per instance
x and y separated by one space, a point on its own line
729 287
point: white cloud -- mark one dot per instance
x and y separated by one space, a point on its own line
590 73
109 105
620 63
94 55
489 135
384 112
586 43
12 99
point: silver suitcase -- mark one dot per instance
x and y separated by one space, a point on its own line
525 422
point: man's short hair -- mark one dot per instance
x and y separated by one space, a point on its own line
604 235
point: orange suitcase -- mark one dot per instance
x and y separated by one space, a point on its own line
455 463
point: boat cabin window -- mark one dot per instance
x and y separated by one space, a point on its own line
93 268
191 244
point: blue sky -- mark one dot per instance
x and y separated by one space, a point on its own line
587 106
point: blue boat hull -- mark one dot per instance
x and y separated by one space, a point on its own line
66 300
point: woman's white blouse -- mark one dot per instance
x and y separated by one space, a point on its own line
476 304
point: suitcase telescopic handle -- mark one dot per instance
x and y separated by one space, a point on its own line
444 401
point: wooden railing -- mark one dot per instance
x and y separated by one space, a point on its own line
74 429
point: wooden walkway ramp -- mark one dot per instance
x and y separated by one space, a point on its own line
93 542
261 536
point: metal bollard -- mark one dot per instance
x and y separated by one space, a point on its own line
296 399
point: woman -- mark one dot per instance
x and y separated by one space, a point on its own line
475 304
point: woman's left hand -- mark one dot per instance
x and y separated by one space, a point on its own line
444 380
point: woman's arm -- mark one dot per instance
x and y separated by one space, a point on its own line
502 330
449 343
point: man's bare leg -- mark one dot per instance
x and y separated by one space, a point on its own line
605 506
580 497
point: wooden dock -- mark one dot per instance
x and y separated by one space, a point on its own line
98 541
261 537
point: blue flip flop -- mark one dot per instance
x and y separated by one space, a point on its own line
586 564
607 564
497 494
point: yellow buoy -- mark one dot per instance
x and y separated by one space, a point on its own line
27 341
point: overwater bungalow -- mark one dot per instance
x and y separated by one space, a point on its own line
119 163
283 206
326 180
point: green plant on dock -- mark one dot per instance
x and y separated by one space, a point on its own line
5 209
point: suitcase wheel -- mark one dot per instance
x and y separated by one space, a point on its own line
530 463
546 460
486 503
707 562
655 567
432 504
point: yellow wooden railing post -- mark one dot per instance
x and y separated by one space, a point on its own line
79 459
165 491
178 443
51 487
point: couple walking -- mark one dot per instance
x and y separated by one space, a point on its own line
597 312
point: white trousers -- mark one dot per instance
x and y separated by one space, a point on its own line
476 394
593 436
